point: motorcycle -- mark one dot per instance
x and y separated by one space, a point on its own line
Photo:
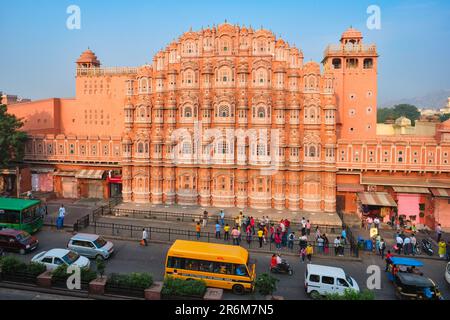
427 247
282 268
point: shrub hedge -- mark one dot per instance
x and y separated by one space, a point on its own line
137 280
179 287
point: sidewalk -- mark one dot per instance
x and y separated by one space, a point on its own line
331 219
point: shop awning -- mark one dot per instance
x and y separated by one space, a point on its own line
42 170
90 174
417 190
65 173
350 187
381 199
439 192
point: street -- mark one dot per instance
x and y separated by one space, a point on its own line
130 257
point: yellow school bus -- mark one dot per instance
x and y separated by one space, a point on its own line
219 265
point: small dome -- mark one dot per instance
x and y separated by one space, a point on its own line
352 33
88 57
403 122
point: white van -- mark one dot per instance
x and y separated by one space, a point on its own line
321 280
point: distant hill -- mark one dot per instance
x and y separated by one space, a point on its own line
433 100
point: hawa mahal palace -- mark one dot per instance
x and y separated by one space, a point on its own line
234 117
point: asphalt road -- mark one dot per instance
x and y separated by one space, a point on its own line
131 257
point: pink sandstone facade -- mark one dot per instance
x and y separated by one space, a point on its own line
233 117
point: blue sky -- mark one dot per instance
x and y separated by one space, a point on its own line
38 51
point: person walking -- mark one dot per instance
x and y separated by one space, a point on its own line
442 249
369 223
407 246
317 235
399 241
308 228
303 242
376 222
222 217
344 236
438 232
144 237
226 230
260 237
61 215
303 226
218 228
413 244
252 224
303 254
320 243
382 248
272 233
205 218
388 260
337 243
249 235
235 234
291 239
198 229
309 252
278 240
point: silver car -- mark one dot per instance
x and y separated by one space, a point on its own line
91 245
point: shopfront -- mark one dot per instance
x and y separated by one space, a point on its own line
412 203
42 179
376 204
115 186
91 183
441 203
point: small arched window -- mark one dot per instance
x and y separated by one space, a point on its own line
224 111
187 149
140 147
261 112
368 63
261 149
222 147
337 63
187 112
312 151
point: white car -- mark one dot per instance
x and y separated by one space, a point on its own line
447 273
56 257
322 280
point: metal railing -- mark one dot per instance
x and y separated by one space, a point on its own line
134 232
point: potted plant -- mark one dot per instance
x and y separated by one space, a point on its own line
97 286
60 276
266 285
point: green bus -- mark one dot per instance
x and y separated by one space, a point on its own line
21 214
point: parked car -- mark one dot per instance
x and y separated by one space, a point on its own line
322 280
56 257
91 246
447 273
17 240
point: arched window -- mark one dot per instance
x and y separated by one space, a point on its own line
187 112
140 148
261 149
189 77
143 85
187 149
224 75
261 76
224 111
337 63
312 151
261 112
222 147
368 63
312 113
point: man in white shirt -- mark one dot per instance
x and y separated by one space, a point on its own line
399 241
413 244
376 221
144 236
337 244
407 245
61 215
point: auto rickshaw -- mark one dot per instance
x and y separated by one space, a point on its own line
411 286
403 265
409 281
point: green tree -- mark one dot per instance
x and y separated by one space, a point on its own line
444 117
400 110
12 141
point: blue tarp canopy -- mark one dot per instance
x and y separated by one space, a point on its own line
406 262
